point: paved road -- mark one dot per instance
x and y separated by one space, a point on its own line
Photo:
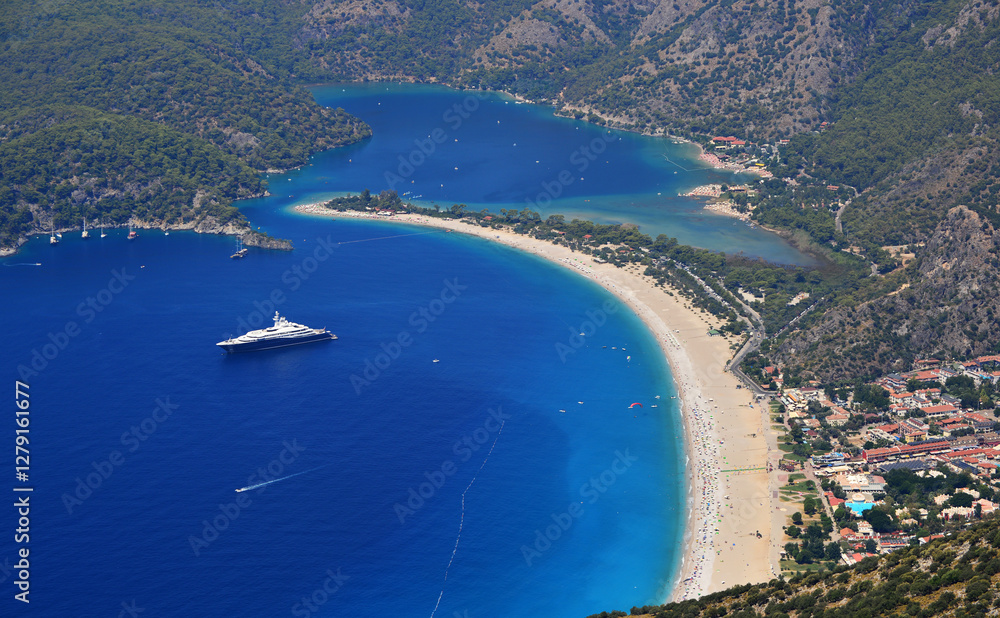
840 211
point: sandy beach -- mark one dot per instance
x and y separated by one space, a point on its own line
728 537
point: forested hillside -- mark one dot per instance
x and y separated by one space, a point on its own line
159 109
955 576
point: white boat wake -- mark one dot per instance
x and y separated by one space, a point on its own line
461 522
249 487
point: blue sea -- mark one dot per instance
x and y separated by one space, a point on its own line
460 450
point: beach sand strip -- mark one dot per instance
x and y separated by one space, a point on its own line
728 536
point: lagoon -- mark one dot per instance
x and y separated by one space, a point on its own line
442 147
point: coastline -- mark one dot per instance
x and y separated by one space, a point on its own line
251 237
726 508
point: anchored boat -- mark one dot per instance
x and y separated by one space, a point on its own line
282 334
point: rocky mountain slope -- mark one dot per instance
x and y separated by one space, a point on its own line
759 69
947 308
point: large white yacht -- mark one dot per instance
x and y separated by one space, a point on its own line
282 334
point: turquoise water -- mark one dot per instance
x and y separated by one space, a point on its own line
509 478
487 151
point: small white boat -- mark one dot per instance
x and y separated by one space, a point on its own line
85 233
241 251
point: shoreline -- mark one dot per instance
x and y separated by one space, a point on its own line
559 106
252 237
712 533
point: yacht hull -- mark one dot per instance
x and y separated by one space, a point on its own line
254 346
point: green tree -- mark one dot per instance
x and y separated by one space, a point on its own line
880 521
960 499
832 551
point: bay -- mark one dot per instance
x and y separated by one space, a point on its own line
161 528
397 490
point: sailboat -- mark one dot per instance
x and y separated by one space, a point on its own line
102 229
131 233
52 237
241 251
85 233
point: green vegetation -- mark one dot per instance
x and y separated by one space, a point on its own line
925 100
162 110
137 168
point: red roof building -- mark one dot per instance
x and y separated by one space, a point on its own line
939 410
917 449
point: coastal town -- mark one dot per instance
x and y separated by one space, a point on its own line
898 461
